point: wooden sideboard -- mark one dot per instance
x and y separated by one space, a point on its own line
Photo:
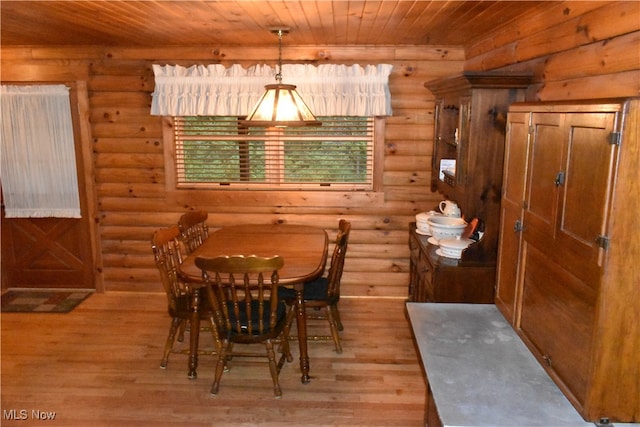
434 278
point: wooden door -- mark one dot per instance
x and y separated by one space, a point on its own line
51 252
545 167
589 168
515 173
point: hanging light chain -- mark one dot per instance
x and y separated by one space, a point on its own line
279 73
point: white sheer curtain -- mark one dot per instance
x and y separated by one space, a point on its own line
38 156
328 89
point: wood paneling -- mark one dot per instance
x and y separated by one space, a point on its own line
238 22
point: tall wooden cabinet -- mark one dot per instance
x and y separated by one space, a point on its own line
468 147
568 274
470 118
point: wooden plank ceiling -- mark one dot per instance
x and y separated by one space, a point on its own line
193 23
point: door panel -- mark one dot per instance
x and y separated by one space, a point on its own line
589 179
545 162
515 165
557 318
46 253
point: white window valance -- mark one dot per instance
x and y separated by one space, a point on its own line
39 177
213 90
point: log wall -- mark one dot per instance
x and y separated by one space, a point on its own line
574 49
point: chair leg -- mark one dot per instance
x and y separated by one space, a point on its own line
273 367
336 315
168 346
220 366
284 344
291 314
214 333
183 327
333 326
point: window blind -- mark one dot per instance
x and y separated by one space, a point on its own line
217 150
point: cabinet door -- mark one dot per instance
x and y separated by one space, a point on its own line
572 162
515 172
545 167
589 168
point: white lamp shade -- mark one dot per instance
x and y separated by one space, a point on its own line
281 106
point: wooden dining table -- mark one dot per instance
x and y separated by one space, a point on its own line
304 249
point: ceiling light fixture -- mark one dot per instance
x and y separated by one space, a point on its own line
281 105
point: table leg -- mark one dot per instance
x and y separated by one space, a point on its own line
301 321
194 334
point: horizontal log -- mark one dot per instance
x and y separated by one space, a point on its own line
549 15
150 128
111 83
130 175
127 145
116 113
111 99
134 67
128 260
401 147
129 160
398 178
138 190
407 163
601 58
417 131
417 194
60 71
622 85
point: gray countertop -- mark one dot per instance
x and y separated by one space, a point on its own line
481 373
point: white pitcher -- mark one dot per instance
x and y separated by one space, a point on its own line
449 208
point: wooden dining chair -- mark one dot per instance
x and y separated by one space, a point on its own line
243 292
193 229
167 255
321 296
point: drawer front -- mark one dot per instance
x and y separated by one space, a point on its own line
420 278
557 320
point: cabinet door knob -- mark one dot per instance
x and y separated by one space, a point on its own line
518 226
547 359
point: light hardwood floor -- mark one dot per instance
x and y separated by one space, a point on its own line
100 366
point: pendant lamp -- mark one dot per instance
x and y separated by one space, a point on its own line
281 105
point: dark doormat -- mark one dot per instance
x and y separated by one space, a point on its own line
42 301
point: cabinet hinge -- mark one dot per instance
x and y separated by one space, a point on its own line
615 138
603 242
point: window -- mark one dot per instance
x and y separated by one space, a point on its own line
218 152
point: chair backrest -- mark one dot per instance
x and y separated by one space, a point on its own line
243 292
166 251
337 259
193 229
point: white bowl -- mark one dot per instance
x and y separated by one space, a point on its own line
452 248
443 227
421 221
